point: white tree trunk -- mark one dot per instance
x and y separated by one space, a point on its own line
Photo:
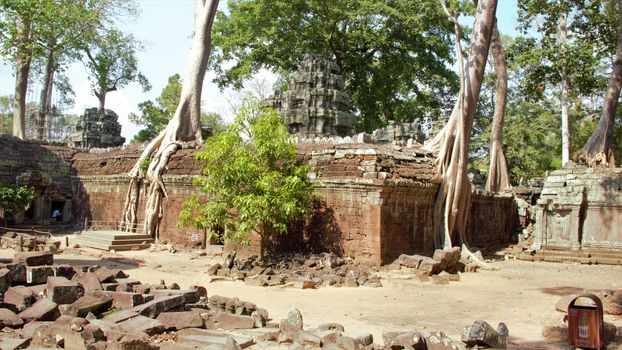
185 126
563 39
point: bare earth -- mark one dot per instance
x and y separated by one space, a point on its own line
521 294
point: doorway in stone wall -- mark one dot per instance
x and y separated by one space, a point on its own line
56 211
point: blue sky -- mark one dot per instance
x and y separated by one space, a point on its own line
165 26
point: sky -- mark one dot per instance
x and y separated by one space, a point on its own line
165 27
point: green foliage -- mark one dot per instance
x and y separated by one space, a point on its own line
112 63
13 199
395 56
154 116
250 177
6 114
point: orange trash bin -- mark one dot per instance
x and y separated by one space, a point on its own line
585 323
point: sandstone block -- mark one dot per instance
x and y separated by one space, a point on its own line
30 327
90 302
34 258
18 273
135 344
19 296
304 284
411 261
62 291
9 319
330 327
104 275
162 304
142 288
205 337
88 280
38 274
404 340
125 300
225 320
66 271
5 279
261 334
213 270
482 334
190 296
13 343
430 266
120 316
142 324
181 320
42 310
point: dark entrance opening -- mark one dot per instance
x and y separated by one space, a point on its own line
56 211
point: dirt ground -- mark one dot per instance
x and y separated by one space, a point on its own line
520 294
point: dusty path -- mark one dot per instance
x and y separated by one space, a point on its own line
521 294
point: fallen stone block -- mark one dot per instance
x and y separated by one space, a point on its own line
18 273
34 258
261 334
13 343
134 344
328 337
125 300
212 337
225 320
62 291
42 310
142 324
181 320
90 302
439 341
122 287
404 340
38 274
105 275
190 296
128 281
330 327
305 284
88 280
482 334
58 336
9 319
411 261
30 327
154 307
429 266
120 316
212 270
142 288
38 290
66 271
118 273
5 279
19 296
111 287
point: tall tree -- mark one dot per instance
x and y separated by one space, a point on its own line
185 126
112 64
599 149
395 56
498 177
453 198
562 56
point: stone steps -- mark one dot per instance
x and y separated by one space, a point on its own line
112 240
592 257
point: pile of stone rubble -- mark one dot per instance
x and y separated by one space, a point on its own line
297 270
444 265
28 242
92 307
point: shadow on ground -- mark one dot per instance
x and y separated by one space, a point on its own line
112 262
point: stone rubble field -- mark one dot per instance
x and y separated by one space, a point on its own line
78 304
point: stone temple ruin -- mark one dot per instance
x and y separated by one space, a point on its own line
315 104
96 129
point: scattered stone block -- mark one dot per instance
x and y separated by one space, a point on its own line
225 320
305 284
30 327
142 288
91 302
404 340
125 300
142 324
330 327
66 271
13 343
111 287
88 280
19 296
205 337
190 296
439 341
104 275
430 266
18 273
136 344
482 334
181 320
120 316
34 258
5 279
9 319
42 310
38 274
162 304
411 261
261 334
62 291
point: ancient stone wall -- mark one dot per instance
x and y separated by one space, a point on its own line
580 208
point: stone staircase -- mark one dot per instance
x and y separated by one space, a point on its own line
112 240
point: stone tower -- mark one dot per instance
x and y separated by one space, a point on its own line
315 104
96 129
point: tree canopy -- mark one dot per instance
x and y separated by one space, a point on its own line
395 55
251 178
